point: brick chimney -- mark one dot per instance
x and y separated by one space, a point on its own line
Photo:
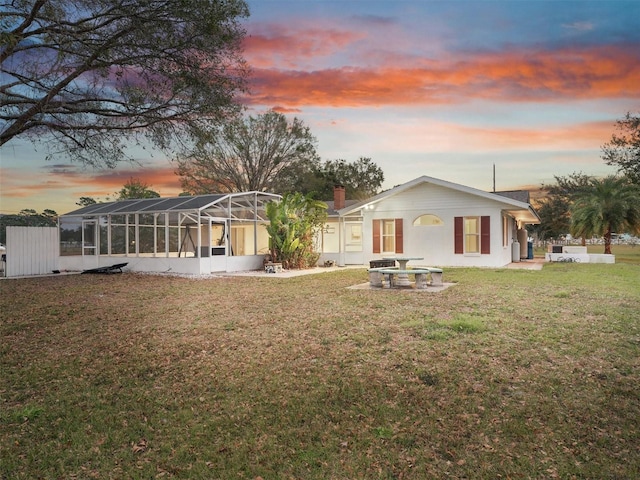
338 197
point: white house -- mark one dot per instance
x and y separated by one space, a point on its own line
444 223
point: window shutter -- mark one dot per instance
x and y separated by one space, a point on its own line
485 235
376 236
458 235
399 246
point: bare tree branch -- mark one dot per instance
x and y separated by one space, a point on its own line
247 155
90 75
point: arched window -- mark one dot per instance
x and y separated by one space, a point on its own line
427 220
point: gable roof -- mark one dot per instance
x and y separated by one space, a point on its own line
520 195
332 212
519 209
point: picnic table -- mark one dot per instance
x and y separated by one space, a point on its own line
388 277
403 278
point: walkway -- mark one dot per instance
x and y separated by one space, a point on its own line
533 264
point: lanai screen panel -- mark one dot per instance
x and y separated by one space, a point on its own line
248 206
243 208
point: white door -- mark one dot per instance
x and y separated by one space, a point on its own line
89 238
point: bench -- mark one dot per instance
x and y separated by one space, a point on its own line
376 276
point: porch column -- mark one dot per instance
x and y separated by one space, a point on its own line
199 247
341 242
255 223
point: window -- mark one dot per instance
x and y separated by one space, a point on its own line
387 236
353 241
354 234
427 220
472 235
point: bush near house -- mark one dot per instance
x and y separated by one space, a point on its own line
294 222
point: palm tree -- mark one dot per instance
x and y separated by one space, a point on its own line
609 205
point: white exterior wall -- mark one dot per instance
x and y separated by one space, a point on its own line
31 251
436 243
245 263
188 265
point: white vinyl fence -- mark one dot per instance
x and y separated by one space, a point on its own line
31 251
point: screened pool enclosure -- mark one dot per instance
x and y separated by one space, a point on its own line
194 235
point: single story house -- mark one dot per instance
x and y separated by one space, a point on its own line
444 223
194 235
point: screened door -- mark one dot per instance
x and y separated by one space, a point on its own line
89 237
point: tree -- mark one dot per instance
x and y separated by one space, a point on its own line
361 179
610 205
27 218
623 150
136 188
569 186
294 223
555 219
86 201
91 75
554 209
248 154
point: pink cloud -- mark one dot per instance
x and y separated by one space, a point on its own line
273 45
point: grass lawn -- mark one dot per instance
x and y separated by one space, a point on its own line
507 374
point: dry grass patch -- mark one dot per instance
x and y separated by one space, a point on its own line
515 374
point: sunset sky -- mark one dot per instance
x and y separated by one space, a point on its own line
439 88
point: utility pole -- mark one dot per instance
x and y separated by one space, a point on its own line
494 178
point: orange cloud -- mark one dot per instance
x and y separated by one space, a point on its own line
407 137
579 136
523 76
280 109
64 184
159 178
